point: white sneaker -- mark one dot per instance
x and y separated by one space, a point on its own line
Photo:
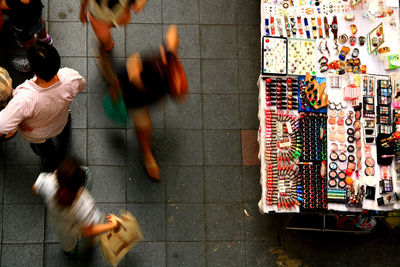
21 64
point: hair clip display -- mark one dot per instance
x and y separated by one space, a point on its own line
301 57
274 55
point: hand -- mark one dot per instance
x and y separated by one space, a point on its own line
25 128
138 6
83 16
112 220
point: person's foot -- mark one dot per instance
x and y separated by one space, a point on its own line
71 253
172 39
21 64
48 40
152 169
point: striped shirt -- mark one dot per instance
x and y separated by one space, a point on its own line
44 110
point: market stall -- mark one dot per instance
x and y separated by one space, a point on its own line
328 106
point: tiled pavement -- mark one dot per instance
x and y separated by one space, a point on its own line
194 217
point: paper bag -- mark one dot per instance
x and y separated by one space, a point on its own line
116 243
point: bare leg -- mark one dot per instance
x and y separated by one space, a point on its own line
143 127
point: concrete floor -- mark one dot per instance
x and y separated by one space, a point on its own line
194 217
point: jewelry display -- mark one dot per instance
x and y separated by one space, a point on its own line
301 57
274 55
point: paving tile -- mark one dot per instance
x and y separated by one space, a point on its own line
95 82
78 109
147 254
97 117
54 256
248 41
61 33
118 35
249 112
109 183
134 155
218 41
192 70
23 224
77 147
222 147
18 185
66 10
248 12
251 183
77 63
221 111
106 147
262 227
2 153
249 71
143 37
151 218
218 12
184 183
224 222
223 184
22 255
184 115
186 254
250 148
152 13
19 152
181 143
259 254
180 218
181 11
219 76
45 9
225 254
141 189
1 222
189 43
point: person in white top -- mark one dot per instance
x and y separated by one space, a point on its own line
39 107
71 208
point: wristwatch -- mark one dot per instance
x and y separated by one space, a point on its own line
314 28
287 26
326 24
272 23
334 27
267 27
320 34
279 26
307 28
293 25
299 26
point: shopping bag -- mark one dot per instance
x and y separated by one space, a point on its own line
116 243
115 109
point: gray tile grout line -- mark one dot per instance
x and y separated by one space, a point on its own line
203 143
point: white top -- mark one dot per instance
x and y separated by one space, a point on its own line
45 110
67 221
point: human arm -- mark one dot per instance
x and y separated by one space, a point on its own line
12 115
83 11
100 228
134 67
3 5
138 5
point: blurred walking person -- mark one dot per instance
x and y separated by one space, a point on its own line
5 97
104 14
39 107
72 209
143 80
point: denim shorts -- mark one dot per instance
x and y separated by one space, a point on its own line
24 35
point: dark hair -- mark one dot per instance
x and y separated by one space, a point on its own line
44 61
70 177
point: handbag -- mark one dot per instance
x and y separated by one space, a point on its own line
115 110
117 242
